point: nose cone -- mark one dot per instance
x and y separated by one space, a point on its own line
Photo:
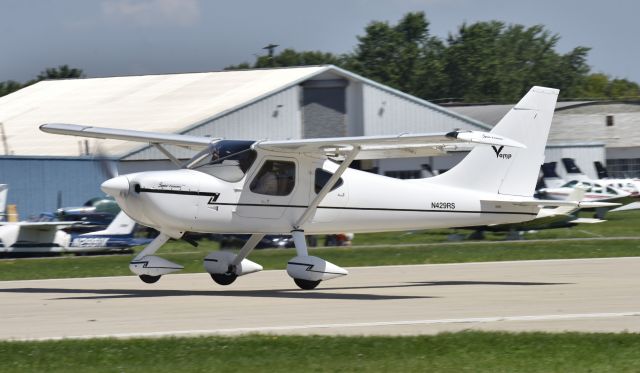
116 187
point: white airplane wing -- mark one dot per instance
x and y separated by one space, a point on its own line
128 135
30 231
404 145
371 147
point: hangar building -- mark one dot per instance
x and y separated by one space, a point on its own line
44 170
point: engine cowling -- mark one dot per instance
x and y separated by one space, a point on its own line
312 268
219 262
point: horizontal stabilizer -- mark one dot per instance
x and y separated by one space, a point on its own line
629 207
534 202
587 221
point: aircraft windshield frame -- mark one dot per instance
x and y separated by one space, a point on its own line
228 160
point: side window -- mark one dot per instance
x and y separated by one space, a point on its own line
321 179
275 178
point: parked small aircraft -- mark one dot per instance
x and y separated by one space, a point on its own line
627 184
549 218
596 190
49 237
298 187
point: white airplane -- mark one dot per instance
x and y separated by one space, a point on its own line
295 187
574 172
628 185
48 237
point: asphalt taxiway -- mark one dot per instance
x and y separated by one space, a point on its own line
600 295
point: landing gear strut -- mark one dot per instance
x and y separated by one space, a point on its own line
225 267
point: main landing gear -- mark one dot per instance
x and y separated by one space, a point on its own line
225 267
308 271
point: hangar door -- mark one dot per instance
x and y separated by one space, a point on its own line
324 108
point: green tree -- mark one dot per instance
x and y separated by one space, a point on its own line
9 86
403 56
290 57
489 61
61 72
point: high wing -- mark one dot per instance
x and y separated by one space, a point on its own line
370 147
10 233
128 135
392 146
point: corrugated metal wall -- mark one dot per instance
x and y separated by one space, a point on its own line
386 113
584 155
34 183
275 117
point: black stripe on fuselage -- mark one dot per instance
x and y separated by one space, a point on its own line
181 192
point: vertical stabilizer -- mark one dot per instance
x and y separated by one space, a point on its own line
510 171
122 224
550 176
573 171
601 170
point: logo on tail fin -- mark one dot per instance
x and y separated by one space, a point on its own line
499 153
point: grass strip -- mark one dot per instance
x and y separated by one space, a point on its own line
447 352
68 267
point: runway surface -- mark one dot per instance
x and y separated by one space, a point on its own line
550 295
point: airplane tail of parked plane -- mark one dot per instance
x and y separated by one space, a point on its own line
550 176
509 170
601 170
573 171
122 225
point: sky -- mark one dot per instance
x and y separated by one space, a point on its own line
136 37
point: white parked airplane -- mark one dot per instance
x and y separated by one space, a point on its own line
596 190
48 237
294 186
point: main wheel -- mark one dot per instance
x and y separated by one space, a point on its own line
224 278
149 279
306 284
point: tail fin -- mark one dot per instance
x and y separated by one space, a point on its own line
573 171
4 189
121 225
510 171
601 170
550 176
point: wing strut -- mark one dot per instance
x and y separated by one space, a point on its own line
164 151
327 187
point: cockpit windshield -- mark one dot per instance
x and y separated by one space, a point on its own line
228 160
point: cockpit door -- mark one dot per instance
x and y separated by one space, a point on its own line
269 189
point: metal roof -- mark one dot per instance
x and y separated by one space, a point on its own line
491 114
162 103
171 103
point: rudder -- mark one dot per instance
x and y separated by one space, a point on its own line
510 171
